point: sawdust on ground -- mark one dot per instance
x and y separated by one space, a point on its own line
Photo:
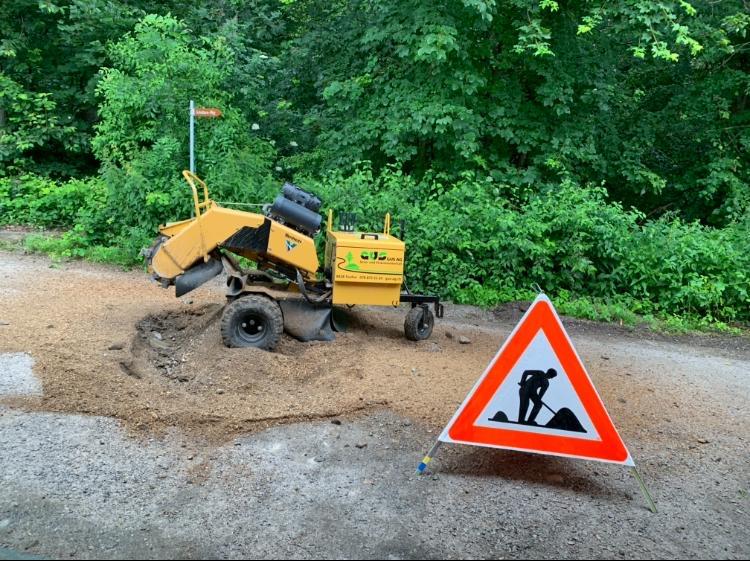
113 343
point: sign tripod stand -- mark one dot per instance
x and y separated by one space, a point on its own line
538 361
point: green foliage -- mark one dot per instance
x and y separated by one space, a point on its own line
597 148
30 199
28 122
52 51
648 99
70 247
142 136
468 243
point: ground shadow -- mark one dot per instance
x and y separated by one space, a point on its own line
534 469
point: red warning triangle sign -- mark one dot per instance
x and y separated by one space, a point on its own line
536 396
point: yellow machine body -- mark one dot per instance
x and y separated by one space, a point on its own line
250 235
286 290
366 268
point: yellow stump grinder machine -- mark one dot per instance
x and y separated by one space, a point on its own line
286 289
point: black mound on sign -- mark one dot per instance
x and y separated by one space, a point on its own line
500 417
565 419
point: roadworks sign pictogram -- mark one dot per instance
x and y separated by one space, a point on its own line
536 396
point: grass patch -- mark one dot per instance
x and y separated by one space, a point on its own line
63 248
9 244
622 313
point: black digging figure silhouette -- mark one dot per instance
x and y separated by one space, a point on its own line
534 384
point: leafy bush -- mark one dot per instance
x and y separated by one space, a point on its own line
142 138
468 242
690 269
30 199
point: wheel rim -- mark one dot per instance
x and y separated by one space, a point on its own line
423 326
251 327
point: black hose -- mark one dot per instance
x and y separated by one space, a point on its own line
303 290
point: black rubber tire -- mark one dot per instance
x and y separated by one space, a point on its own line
252 321
419 323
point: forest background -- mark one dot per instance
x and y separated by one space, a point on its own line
599 149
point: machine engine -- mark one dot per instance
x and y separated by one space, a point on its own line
297 209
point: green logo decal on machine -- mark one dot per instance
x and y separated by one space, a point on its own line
350 264
369 255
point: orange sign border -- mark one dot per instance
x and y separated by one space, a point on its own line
541 316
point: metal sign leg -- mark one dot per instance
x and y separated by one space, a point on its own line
644 490
428 458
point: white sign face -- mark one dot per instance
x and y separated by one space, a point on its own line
536 396
511 396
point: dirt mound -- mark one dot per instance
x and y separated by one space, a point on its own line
166 366
511 311
230 390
